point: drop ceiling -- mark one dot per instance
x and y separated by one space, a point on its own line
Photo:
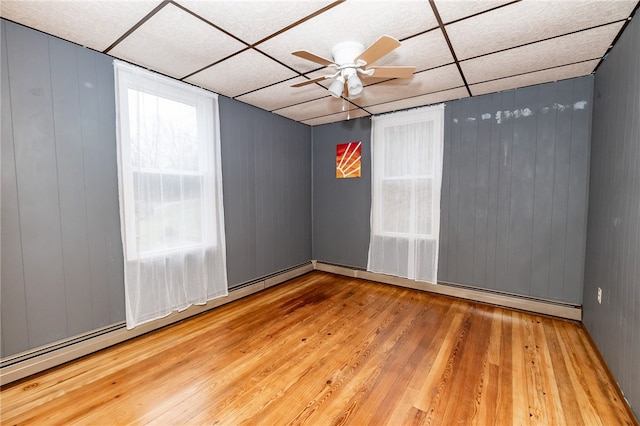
242 49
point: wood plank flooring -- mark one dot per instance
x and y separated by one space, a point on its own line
327 350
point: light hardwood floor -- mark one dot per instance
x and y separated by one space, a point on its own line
325 349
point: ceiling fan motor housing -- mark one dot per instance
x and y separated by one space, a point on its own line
346 52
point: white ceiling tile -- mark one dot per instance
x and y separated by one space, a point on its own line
241 73
430 81
94 24
362 21
425 51
316 108
451 10
252 21
553 74
343 116
529 21
429 99
282 94
176 43
577 47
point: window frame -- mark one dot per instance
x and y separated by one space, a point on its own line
436 117
133 78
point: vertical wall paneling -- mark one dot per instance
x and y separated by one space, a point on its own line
581 115
560 195
37 177
267 226
239 171
449 204
613 231
267 187
298 174
109 185
14 303
341 207
514 190
482 192
92 151
505 156
523 147
466 175
543 189
495 160
62 255
71 184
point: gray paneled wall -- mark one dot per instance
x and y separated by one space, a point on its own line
514 190
613 238
341 207
267 183
61 250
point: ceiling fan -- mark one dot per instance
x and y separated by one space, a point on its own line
350 58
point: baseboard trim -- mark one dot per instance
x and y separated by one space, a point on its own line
477 295
42 358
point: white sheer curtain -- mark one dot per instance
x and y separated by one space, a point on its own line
407 149
170 187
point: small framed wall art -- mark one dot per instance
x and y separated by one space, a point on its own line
348 160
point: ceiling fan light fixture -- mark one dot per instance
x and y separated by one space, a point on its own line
337 87
354 85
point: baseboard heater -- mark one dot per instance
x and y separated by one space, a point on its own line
27 363
538 306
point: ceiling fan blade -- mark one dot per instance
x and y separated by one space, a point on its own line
312 57
304 83
378 49
392 72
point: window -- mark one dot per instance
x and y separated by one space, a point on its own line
407 169
167 139
406 184
170 191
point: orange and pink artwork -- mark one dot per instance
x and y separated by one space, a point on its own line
348 160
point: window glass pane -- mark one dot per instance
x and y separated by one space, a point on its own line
408 149
396 152
168 185
169 211
396 202
164 133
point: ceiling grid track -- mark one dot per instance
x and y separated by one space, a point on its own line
137 25
448 40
